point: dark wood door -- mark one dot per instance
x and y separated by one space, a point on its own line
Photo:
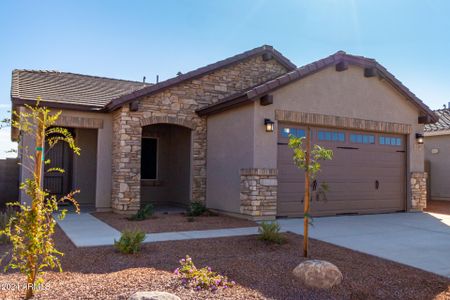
366 175
59 184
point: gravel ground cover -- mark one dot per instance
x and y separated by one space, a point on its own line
439 207
261 271
173 222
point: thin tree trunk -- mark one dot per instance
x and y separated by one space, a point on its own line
37 201
307 193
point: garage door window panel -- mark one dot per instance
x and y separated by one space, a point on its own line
334 136
285 131
362 138
390 141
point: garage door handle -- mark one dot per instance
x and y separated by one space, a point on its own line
377 184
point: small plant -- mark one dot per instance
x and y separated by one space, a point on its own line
270 232
143 213
31 231
5 217
130 241
200 279
196 209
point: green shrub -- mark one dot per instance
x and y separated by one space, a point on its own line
5 216
130 241
270 233
143 213
200 279
196 209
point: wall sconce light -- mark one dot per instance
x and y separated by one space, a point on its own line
419 138
269 125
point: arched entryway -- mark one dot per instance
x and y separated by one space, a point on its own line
166 165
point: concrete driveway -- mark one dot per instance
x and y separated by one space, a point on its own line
421 240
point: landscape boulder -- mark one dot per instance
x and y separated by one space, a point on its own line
318 274
153 296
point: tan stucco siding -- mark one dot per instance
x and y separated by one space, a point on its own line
84 170
229 149
103 158
439 165
345 94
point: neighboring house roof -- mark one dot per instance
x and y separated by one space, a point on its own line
442 125
68 90
255 93
116 103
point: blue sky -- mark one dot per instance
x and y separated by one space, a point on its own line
131 39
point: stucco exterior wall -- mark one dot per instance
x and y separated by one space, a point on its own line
230 148
345 94
102 183
84 170
177 105
439 165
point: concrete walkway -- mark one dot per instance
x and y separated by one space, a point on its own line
85 230
421 240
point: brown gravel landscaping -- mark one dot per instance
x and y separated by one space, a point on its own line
261 271
173 222
439 207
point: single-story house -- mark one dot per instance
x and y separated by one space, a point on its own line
218 135
437 155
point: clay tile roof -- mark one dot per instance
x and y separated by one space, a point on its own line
442 124
306 70
68 90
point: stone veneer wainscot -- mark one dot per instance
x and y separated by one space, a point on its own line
259 193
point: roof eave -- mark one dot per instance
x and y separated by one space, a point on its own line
315 67
58 105
120 101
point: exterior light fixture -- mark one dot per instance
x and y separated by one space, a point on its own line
419 138
269 125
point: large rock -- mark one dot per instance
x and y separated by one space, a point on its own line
318 273
153 296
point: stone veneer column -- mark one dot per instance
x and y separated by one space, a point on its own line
259 193
418 190
126 179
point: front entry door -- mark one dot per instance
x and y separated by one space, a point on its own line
59 184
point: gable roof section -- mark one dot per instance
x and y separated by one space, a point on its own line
118 102
309 69
442 125
68 90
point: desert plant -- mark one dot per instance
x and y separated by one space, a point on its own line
270 232
31 230
307 159
130 241
200 279
143 213
196 209
5 217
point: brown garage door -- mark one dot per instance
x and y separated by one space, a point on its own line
366 175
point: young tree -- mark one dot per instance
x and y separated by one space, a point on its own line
307 159
31 230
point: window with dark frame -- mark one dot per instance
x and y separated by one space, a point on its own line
149 156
